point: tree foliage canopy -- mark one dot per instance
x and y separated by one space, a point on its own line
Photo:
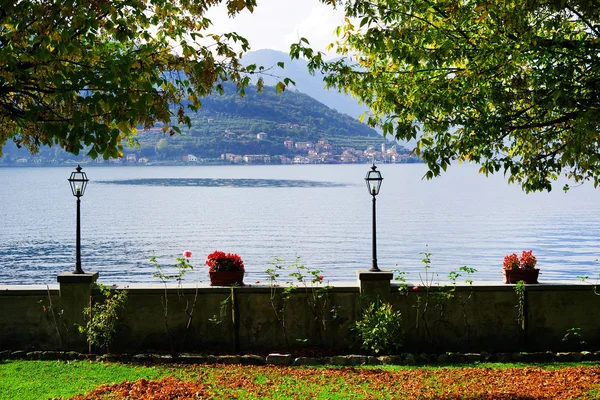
512 85
86 73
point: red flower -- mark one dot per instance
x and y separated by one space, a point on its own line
527 259
187 253
511 261
219 261
320 277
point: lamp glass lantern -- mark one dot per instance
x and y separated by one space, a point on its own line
78 181
373 180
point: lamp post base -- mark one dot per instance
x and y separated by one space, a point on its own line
370 275
75 296
72 277
375 284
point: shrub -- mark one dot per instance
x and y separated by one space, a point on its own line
381 329
102 317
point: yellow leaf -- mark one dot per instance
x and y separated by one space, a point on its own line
280 87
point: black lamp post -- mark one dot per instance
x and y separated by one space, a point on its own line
78 182
374 180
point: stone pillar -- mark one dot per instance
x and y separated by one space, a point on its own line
75 292
375 285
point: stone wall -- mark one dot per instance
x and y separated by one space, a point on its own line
256 318
26 318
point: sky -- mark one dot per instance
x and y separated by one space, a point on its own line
276 24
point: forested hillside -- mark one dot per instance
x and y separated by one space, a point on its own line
229 123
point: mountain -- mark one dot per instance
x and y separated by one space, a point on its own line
262 123
312 85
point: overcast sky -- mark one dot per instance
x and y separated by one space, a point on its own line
276 24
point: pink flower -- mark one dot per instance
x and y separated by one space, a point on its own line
320 277
187 253
416 287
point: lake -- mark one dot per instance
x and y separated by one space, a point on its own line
320 213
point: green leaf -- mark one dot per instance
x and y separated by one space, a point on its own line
505 82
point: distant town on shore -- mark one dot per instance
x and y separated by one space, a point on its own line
305 152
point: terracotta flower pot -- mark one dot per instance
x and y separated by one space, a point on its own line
226 278
527 275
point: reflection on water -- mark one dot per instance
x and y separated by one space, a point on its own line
222 182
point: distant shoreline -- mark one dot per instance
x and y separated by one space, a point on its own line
188 164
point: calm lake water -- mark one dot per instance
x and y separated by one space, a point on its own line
320 213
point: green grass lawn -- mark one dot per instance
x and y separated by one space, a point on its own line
49 379
65 379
